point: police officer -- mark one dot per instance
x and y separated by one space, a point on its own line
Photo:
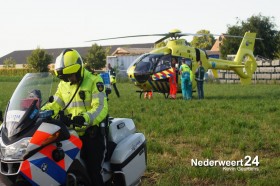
113 79
84 94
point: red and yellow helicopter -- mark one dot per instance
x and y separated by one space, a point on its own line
150 72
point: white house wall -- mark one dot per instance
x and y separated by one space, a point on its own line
121 62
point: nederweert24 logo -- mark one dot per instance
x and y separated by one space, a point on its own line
247 163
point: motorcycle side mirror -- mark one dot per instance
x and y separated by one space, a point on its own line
51 99
1 116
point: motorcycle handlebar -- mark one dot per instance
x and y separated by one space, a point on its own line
66 119
78 125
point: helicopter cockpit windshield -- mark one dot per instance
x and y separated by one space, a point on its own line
149 64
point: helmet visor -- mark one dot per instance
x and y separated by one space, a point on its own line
72 69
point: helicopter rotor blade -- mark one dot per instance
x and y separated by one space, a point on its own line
172 34
162 39
241 37
146 35
219 35
188 34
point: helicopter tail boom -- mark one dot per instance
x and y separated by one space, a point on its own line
244 64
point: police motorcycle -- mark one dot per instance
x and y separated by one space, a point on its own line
37 149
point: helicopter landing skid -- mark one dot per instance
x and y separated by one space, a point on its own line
166 95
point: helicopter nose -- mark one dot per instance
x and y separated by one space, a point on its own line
142 77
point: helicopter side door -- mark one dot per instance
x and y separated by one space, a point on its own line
164 63
163 69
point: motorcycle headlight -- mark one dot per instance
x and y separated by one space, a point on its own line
15 151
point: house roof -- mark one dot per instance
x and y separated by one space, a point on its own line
218 42
21 55
216 46
130 51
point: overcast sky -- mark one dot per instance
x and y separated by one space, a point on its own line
28 24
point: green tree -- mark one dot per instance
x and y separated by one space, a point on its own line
9 63
96 57
39 60
205 41
268 47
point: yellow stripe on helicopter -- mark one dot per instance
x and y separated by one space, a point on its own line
163 74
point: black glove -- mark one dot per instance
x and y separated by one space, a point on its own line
65 119
79 120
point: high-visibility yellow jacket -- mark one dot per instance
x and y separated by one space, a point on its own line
113 79
94 108
186 69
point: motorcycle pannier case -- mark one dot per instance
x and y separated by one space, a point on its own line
130 155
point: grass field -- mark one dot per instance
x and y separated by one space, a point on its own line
233 121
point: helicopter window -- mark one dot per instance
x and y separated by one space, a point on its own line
144 66
137 60
164 63
147 63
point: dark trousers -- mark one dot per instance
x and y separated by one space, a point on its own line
200 90
93 153
116 89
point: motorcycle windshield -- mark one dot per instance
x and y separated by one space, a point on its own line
31 93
